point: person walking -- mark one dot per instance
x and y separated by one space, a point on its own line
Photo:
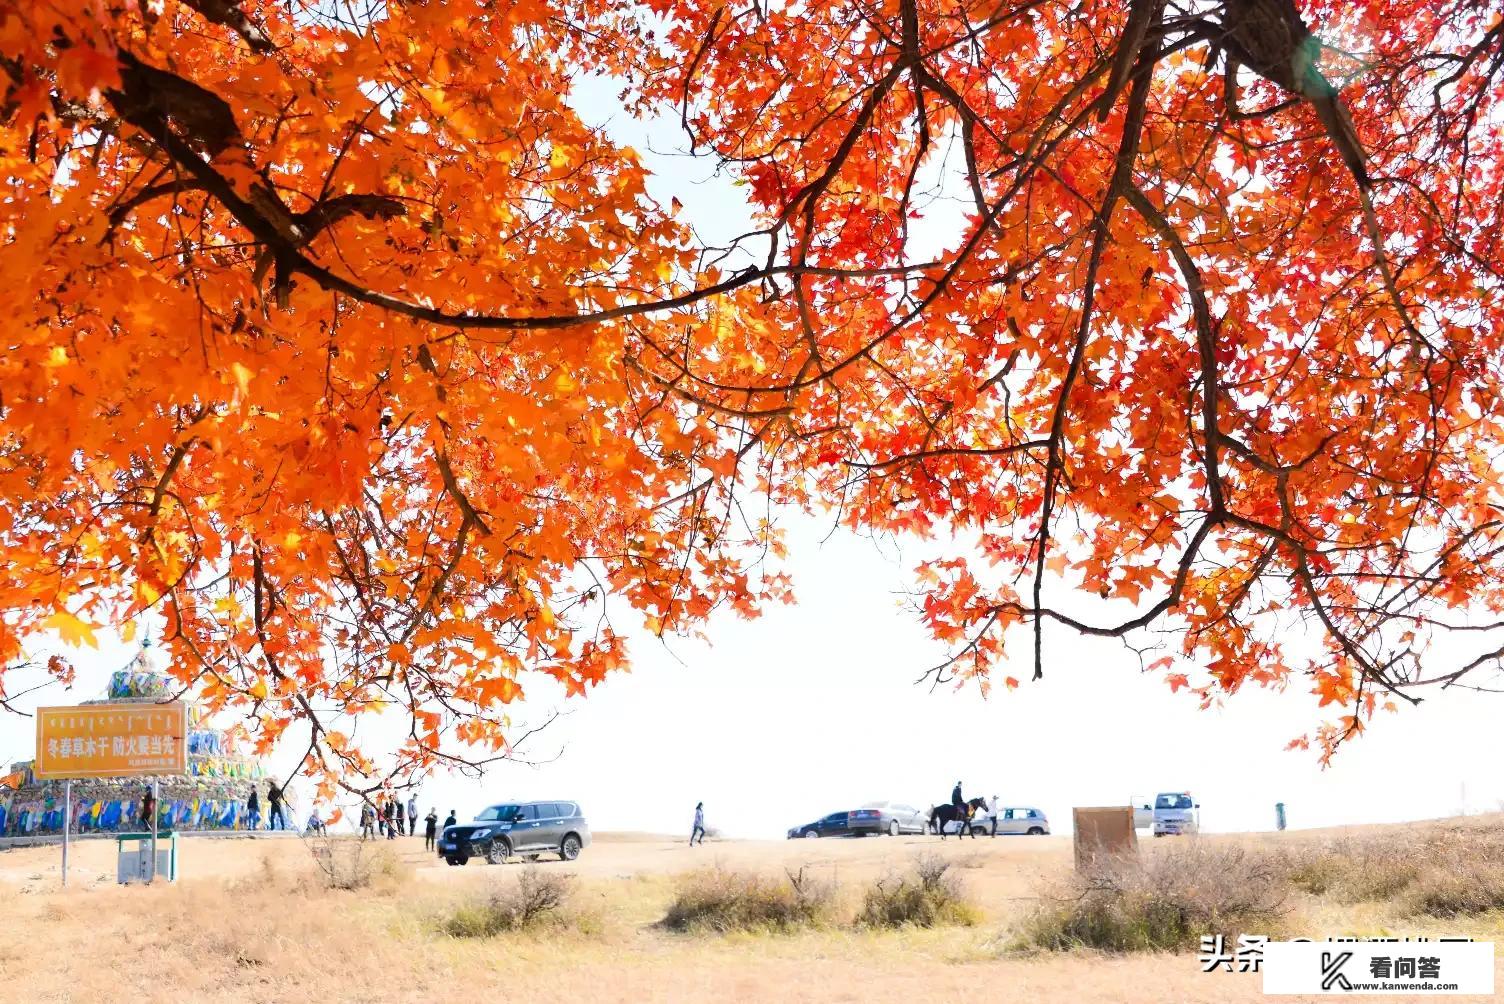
367 821
430 825
253 810
274 818
699 828
412 815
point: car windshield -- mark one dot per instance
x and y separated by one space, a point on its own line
497 813
1173 802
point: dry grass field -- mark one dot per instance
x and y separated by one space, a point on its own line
256 920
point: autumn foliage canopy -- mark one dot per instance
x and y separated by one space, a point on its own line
344 341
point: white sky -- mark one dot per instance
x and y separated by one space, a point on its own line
814 708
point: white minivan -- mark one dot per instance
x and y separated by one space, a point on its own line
1176 812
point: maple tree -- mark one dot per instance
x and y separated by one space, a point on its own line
344 345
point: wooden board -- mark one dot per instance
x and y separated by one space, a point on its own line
1104 830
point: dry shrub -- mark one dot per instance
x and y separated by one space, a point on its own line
1463 891
723 901
1351 871
1161 902
349 864
931 896
275 875
1441 871
536 899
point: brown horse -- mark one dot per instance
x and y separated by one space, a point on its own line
942 816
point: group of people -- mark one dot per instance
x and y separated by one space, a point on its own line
276 817
387 818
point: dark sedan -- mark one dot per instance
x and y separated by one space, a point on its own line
878 817
837 824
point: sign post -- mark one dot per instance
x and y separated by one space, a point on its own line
67 823
156 814
111 740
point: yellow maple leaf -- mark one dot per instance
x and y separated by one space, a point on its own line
71 629
242 375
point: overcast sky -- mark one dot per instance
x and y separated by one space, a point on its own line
815 708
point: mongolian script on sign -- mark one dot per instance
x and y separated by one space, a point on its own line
111 740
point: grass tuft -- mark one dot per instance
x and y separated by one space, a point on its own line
930 896
534 900
720 901
1161 902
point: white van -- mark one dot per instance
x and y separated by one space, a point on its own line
1176 812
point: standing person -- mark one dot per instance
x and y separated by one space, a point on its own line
253 810
449 820
274 818
699 828
430 824
391 819
412 815
148 808
367 821
997 810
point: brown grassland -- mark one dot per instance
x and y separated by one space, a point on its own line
649 919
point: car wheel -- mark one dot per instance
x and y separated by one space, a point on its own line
811 834
453 862
1035 831
893 828
498 852
570 848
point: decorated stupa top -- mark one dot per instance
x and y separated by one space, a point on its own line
144 678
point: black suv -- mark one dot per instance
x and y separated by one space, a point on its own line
525 828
